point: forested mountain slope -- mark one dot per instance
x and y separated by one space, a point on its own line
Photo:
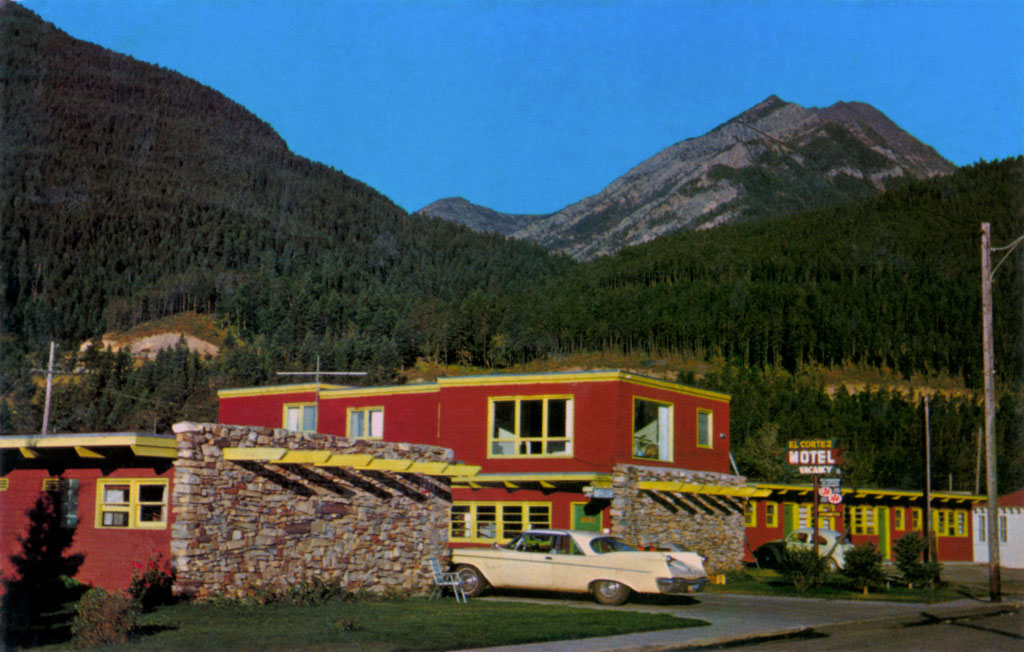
130 192
889 281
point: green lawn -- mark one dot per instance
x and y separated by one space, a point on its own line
760 581
404 624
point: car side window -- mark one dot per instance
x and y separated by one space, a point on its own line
543 543
566 546
798 537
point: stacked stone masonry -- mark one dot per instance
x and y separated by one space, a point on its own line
240 526
715 530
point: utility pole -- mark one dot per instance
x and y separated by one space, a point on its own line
50 373
990 412
926 514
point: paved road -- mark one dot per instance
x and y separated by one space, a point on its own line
738 618
1003 632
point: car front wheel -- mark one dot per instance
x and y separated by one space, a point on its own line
610 593
473 582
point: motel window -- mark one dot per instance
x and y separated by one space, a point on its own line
300 417
900 517
366 423
131 503
496 522
915 519
950 522
705 426
1002 529
863 520
982 530
961 523
530 427
771 514
750 514
652 430
806 520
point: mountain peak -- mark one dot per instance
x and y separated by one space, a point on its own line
775 158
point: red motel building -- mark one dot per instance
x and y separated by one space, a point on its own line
543 449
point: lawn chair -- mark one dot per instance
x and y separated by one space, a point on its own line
444 578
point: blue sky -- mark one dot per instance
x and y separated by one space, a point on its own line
526 107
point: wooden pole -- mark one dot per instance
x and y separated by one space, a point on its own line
990 412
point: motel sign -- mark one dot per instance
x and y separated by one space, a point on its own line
813 456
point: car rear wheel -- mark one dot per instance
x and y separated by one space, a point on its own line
610 593
831 565
473 582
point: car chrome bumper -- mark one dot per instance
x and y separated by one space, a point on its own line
681 584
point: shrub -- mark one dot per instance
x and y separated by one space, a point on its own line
909 550
103 618
152 584
862 564
309 592
802 568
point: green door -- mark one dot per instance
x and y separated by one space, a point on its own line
581 520
790 517
884 533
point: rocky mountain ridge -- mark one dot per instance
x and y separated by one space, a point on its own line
775 158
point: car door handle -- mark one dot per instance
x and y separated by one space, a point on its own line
548 557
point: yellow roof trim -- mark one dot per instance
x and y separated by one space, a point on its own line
357 461
356 392
429 468
304 457
576 377
235 392
89 441
257 454
85 452
28 453
378 464
693 488
881 493
155 451
547 485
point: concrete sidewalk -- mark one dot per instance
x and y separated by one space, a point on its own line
737 618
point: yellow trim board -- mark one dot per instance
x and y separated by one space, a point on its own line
357 461
257 454
236 392
86 452
577 377
356 392
304 457
155 451
96 440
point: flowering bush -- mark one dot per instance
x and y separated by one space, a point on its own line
152 582
102 618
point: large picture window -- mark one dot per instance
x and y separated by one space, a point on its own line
530 427
496 522
366 423
131 503
652 430
300 417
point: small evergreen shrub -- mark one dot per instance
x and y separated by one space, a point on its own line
151 584
802 568
102 618
863 566
909 552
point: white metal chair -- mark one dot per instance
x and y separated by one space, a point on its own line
443 578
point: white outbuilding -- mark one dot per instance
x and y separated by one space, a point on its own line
1010 529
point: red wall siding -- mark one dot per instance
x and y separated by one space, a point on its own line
265 410
108 553
408 417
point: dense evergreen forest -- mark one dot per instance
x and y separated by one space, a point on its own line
130 193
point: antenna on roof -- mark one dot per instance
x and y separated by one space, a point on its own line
317 375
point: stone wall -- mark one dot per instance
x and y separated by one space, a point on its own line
659 518
245 525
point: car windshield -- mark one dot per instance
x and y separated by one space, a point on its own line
602 545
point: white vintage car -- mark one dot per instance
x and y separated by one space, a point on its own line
580 562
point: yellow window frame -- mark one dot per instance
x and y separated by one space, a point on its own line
711 428
300 407
671 444
137 508
367 412
750 514
771 514
900 518
915 519
860 521
517 441
495 521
